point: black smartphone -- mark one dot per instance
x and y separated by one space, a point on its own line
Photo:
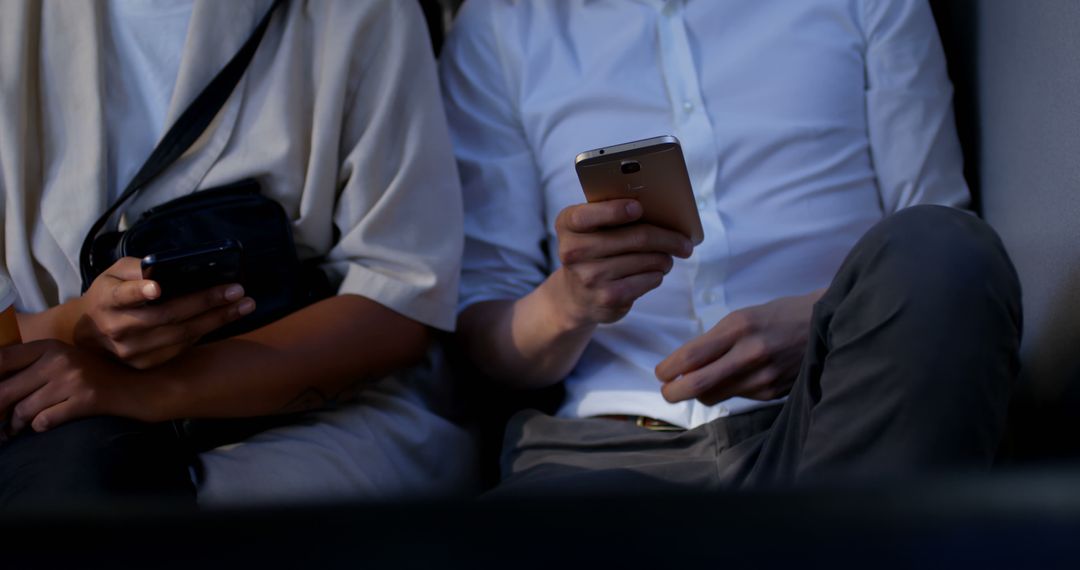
186 270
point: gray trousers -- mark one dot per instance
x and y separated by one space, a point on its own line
908 370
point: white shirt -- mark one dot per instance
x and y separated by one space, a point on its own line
803 123
364 172
144 41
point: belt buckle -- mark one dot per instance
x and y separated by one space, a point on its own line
654 424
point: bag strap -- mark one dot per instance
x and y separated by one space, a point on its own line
191 124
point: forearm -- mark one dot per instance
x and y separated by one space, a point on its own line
527 343
312 358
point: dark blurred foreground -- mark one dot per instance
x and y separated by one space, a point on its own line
1028 519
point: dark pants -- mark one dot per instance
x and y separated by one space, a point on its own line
912 354
94 462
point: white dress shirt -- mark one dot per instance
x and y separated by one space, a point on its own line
803 123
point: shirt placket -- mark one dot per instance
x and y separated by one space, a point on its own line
693 128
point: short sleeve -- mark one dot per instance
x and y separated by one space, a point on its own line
504 202
399 211
910 119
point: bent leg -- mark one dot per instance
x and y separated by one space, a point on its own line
94 461
912 355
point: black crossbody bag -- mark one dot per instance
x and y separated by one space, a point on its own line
272 272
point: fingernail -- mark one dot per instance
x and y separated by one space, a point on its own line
688 248
633 209
150 290
234 292
245 307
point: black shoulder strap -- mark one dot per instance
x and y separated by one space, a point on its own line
184 132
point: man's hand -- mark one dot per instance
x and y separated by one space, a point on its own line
608 261
754 352
116 318
49 382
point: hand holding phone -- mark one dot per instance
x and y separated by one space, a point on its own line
121 313
619 245
640 214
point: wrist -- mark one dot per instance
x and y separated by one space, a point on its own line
558 308
72 312
54 323
161 396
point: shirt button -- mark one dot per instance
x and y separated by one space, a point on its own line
701 204
709 297
688 106
722 410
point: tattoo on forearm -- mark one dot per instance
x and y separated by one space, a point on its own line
314 399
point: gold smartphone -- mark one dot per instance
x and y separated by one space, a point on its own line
653 172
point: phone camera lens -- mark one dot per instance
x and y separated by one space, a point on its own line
601 151
630 166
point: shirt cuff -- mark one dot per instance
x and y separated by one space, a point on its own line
432 306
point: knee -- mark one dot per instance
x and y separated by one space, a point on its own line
937 260
946 247
939 234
